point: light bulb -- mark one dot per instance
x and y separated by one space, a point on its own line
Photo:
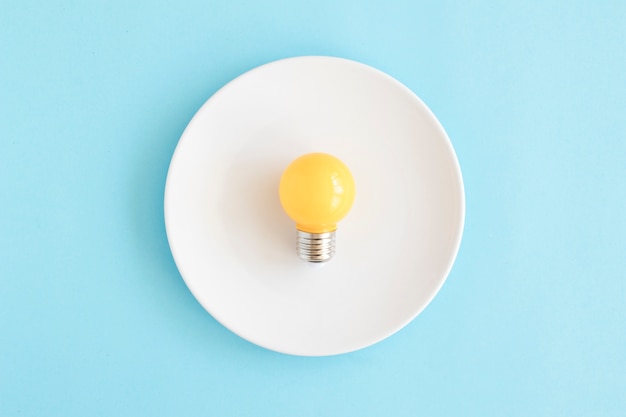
316 191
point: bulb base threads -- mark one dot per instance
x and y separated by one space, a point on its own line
315 247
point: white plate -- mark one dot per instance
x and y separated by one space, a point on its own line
234 246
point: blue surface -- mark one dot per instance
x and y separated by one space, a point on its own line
94 317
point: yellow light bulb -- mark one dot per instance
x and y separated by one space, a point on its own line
316 191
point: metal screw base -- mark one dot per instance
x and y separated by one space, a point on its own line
315 247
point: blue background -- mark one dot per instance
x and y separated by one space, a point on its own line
94 317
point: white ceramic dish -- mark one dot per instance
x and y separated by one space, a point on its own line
234 246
